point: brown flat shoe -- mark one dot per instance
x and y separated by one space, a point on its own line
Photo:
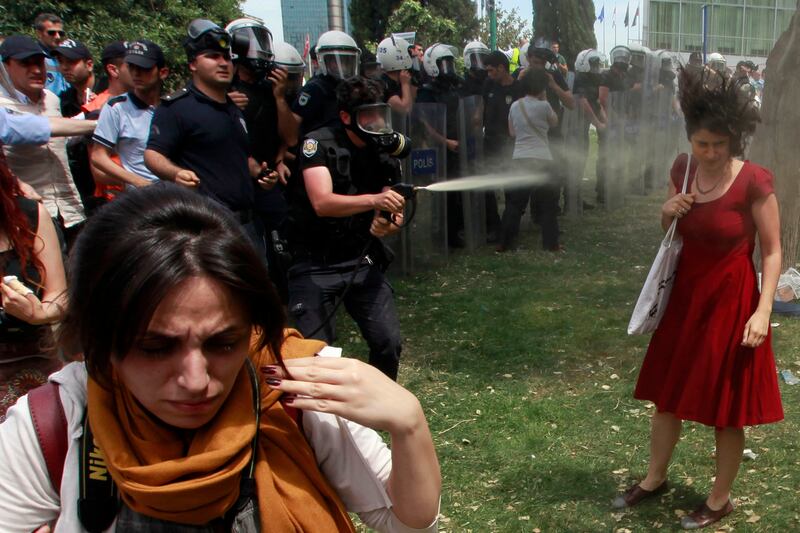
634 495
704 516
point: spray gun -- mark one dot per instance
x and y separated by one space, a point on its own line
409 192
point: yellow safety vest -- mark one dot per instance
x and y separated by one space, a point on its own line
514 63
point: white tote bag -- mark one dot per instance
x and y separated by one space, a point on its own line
657 287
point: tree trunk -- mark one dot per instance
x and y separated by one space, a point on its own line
775 142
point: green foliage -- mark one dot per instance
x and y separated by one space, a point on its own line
370 17
412 16
444 21
510 28
99 22
571 22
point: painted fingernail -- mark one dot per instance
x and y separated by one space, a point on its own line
273 381
269 369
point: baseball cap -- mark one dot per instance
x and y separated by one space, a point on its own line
114 50
72 49
145 54
20 47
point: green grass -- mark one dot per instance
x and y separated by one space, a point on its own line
526 374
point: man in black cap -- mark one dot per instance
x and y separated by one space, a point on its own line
217 162
45 167
124 123
77 66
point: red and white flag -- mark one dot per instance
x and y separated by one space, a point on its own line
306 46
635 17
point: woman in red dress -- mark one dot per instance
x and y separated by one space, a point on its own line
711 360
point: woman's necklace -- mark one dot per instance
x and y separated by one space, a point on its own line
716 183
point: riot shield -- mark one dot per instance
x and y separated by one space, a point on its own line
471 159
424 239
575 129
613 152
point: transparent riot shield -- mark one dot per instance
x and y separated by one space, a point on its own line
397 241
424 239
575 151
613 152
650 149
471 160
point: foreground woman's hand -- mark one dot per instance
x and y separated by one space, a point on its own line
362 393
348 388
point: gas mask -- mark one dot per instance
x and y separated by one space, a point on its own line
252 46
204 35
372 123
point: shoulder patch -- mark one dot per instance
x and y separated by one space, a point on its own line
180 93
304 98
117 99
310 147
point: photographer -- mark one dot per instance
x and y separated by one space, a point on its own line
336 219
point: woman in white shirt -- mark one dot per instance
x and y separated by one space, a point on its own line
529 121
204 411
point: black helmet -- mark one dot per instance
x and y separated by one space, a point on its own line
204 35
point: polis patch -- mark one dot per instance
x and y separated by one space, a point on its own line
309 147
304 98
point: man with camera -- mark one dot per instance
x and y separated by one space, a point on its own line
338 212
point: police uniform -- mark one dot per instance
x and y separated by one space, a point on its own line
327 250
316 104
261 116
209 138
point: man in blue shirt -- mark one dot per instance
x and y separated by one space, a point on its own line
124 123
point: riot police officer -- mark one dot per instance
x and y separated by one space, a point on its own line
439 62
270 127
338 58
615 79
587 88
336 222
475 54
397 65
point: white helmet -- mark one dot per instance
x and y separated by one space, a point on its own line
251 40
620 54
337 55
523 55
393 54
288 58
474 54
439 59
717 61
589 60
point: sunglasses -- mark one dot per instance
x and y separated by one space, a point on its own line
53 33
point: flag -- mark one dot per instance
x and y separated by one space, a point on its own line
614 17
601 17
635 17
306 47
627 13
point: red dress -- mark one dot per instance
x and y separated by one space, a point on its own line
696 367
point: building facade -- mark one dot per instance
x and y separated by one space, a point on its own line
312 18
736 28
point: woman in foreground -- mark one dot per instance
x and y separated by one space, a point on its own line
179 323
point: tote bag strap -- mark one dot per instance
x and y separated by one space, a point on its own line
672 228
533 126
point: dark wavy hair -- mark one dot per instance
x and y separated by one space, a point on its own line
14 224
357 91
719 104
141 245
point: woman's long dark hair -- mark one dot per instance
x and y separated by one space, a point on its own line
141 245
719 104
14 224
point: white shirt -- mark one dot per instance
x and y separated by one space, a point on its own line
531 140
354 459
45 167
